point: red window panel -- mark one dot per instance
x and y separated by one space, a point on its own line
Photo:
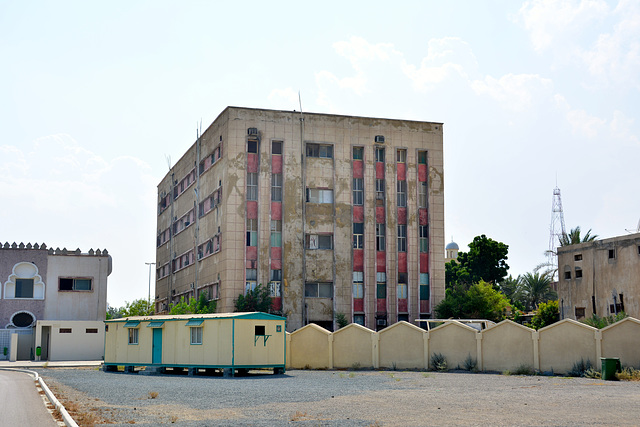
381 262
402 306
276 210
380 217
381 305
276 255
423 216
252 253
402 171
358 305
379 170
252 209
358 169
252 162
358 214
276 164
424 306
402 262
402 215
422 173
358 260
424 263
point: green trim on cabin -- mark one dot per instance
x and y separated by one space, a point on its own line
132 324
155 324
194 322
253 316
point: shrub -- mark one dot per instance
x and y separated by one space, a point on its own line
629 374
341 320
523 370
547 314
602 322
470 364
580 368
439 362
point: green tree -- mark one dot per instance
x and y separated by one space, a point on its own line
486 261
512 289
480 301
202 305
257 299
548 313
573 237
536 288
138 307
113 312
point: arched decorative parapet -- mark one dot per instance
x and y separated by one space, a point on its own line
310 348
24 282
402 346
507 345
564 343
622 339
352 347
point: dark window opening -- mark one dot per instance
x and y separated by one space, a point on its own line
260 330
358 153
578 273
276 147
403 317
577 257
22 320
579 311
612 253
65 330
91 330
422 157
24 288
567 275
252 146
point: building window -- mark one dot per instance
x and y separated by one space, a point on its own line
422 194
276 187
318 290
24 288
252 146
65 331
380 237
422 157
251 280
424 238
358 319
401 156
612 254
183 261
163 271
196 335
316 195
577 257
379 154
163 237
358 191
252 186
91 331
358 235
252 232
358 284
381 285
403 317
402 194
182 186
320 150
276 233
69 284
210 202
402 290
578 273
579 311
379 189
185 221
319 241
402 238
133 335
358 153
567 275
276 147
274 283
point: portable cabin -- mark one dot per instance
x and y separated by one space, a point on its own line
228 341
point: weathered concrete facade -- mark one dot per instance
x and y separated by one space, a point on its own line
601 277
339 214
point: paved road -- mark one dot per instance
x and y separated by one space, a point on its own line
20 403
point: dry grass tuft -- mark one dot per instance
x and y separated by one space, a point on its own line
629 374
153 394
298 416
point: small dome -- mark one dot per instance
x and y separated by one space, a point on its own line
452 245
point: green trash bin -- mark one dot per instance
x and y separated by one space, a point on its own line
610 365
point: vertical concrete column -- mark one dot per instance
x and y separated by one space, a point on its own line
479 360
288 352
598 338
330 338
38 339
375 350
535 336
425 339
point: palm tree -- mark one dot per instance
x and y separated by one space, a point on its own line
537 288
512 288
573 237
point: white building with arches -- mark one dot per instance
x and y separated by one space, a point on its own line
52 302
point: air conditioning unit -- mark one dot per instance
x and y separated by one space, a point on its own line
379 139
252 131
193 285
381 322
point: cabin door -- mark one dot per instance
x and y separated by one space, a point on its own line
156 357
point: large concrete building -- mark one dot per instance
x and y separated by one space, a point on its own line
600 277
336 214
53 302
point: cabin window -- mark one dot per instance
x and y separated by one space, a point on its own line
196 335
260 330
133 336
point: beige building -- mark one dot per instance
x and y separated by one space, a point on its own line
336 214
601 277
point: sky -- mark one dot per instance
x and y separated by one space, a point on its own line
98 98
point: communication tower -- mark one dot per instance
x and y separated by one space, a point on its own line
556 229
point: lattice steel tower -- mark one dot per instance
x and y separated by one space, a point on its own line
556 229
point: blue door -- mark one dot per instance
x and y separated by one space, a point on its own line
157 346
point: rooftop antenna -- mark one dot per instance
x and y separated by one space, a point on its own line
557 229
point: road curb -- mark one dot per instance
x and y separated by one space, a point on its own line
68 420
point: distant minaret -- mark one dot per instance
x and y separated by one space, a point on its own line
556 229
451 251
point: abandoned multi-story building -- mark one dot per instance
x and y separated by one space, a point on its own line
335 214
600 277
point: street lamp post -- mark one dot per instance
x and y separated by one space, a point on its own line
150 264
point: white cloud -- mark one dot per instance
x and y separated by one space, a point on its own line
582 123
513 91
284 98
621 127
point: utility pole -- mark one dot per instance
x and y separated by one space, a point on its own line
149 297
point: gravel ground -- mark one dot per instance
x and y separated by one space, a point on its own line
348 398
